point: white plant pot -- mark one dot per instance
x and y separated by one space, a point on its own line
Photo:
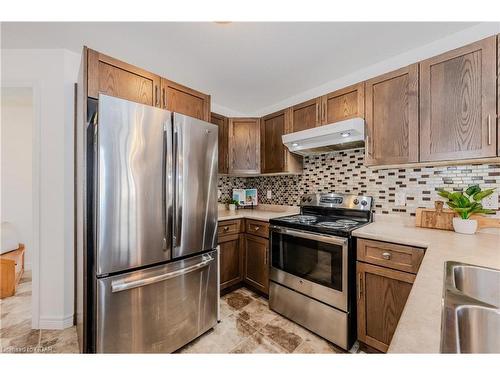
232 207
464 226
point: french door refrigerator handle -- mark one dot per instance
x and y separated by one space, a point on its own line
178 172
119 286
167 183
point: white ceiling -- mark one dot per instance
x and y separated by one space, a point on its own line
244 66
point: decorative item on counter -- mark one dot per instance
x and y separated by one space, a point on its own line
245 197
232 204
466 204
435 218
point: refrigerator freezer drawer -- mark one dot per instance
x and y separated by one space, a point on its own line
159 309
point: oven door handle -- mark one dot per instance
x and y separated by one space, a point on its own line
311 236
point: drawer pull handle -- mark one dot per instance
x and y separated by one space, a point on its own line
226 229
386 255
257 228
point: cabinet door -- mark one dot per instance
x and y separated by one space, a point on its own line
344 104
222 123
115 78
273 151
382 295
244 146
392 117
458 103
306 115
231 260
257 262
182 99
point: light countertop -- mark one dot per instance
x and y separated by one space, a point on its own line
263 212
419 329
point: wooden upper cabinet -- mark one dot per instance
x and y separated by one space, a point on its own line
116 78
273 127
222 123
244 146
306 115
458 103
343 104
275 157
182 99
391 115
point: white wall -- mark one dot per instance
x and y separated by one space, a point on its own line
16 164
437 47
51 73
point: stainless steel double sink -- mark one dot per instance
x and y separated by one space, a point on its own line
470 320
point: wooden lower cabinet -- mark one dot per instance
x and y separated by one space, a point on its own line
382 295
244 254
257 262
231 260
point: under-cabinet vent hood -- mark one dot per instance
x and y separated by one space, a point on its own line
342 135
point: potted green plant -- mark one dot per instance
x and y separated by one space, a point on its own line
466 204
232 204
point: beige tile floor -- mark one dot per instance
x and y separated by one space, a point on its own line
16 334
247 326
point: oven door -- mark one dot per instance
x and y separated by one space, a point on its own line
310 263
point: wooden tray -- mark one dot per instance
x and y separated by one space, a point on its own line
434 219
443 219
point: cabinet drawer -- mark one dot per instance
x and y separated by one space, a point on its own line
229 227
399 257
257 228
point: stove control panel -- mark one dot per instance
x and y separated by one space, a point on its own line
334 200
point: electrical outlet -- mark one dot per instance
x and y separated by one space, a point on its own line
491 202
269 194
400 199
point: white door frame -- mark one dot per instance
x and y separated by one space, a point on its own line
35 165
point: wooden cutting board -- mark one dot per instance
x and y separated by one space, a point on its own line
443 219
435 219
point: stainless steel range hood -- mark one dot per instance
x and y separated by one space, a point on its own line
342 135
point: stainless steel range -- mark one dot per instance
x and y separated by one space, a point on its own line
313 264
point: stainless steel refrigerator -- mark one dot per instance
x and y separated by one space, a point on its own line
150 257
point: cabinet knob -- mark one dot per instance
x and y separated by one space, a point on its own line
386 255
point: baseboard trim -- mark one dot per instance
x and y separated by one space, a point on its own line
56 322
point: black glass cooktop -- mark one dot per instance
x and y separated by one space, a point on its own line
336 225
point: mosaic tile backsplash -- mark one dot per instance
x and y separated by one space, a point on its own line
344 172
